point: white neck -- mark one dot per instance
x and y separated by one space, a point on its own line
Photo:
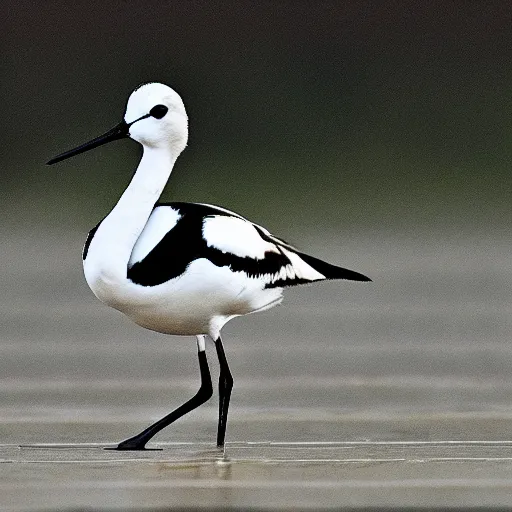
113 242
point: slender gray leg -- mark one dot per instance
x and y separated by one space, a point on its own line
225 387
205 392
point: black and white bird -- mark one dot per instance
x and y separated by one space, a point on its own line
184 268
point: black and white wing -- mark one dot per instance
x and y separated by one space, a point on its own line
179 233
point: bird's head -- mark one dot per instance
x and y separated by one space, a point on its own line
155 117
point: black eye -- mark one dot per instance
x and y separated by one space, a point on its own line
158 111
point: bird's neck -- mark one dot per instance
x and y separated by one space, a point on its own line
116 236
139 198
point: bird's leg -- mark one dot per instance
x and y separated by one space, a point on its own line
225 387
205 392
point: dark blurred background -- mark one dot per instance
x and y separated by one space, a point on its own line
352 116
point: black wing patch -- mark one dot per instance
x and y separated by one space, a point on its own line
90 236
184 243
172 255
197 209
332 271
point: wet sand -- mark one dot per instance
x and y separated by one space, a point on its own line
392 393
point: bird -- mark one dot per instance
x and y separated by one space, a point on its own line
183 268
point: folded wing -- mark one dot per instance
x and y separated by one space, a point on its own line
179 233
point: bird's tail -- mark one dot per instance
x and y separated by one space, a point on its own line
332 271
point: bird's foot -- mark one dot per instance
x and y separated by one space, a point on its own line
133 444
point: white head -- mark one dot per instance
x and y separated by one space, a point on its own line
155 116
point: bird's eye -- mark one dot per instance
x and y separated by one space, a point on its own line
158 111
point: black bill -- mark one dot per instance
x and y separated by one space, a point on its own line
118 132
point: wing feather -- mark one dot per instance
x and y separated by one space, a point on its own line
195 230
